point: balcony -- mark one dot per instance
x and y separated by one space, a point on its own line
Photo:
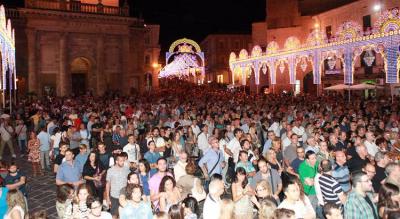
77 6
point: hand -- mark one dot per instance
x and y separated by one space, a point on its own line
309 181
109 202
276 197
206 176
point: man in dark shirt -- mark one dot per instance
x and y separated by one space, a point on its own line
381 160
358 161
104 156
15 179
299 159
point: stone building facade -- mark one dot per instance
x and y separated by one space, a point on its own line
293 19
216 48
66 47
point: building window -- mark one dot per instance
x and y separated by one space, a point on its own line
220 79
366 22
328 31
147 60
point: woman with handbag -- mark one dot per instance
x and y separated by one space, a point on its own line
94 173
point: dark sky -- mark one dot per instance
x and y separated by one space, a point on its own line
196 19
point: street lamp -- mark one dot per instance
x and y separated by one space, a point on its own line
377 7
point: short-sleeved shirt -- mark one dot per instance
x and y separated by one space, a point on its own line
290 153
273 178
295 164
15 179
152 157
330 189
3 202
117 176
307 171
44 139
59 159
212 158
69 173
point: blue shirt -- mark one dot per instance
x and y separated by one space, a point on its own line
143 211
81 160
3 202
144 181
44 139
210 158
152 157
69 173
267 146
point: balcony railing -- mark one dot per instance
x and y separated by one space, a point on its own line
77 6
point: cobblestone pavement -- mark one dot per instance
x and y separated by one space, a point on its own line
41 190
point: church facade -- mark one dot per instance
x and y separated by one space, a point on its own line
72 47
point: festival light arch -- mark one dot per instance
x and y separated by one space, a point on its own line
348 44
7 51
184 59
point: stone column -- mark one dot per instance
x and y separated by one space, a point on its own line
125 88
100 77
292 70
32 70
64 83
348 71
243 68
316 68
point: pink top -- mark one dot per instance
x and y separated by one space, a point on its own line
154 184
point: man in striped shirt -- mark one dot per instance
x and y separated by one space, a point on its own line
341 171
330 188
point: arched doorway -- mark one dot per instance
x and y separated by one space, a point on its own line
308 84
80 68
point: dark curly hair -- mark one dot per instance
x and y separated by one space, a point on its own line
164 180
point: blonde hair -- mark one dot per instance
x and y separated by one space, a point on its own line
268 156
16 198
267 208
265 184
227 209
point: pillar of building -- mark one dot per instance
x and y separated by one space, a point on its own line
272 71
125 65
64 83
257 75
100 77
316 68
32 71
243 68
391 60
292 70
348 70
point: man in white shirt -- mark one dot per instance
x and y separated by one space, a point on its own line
233 147
133 151
179 168
212 204
370 144
160 142
195 128
202 139
6 132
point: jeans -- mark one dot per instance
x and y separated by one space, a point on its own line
22 146
45 160
314 201
10 146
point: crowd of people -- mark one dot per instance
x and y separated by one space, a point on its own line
188 151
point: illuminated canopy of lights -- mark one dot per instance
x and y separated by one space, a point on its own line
184 64
7 50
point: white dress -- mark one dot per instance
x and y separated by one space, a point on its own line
15 208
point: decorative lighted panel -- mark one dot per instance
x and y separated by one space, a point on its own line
7 52
348 43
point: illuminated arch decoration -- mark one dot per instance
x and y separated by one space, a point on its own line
292 43
184 59
272 47
243 54
388 21
7 50
256 51
316 38
232 58
349 30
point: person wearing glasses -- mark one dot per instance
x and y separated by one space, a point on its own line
96 209
359 202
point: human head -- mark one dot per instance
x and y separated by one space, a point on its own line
13 167
263 166
389 196
216 188
167 183
120 160
95 206
243 157
393 171
101 147
82 193
361 150
332 211
69 155
326 166
162 165
263 189
300 153
370 170
382 159
190 168
131 139
64 192
294 139
213 141
190 205
238 133
15 198
144 166
340 157
151 145
134 192
283 213
267 208
176 211
133 178
361 182
311 158
291 189
227 209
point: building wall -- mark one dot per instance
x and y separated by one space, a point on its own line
284 20
113 48
216 48
114 3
